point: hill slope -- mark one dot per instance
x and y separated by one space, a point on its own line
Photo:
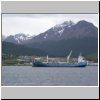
10 48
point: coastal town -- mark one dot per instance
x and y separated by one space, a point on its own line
27 60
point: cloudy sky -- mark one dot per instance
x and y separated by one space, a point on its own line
35 24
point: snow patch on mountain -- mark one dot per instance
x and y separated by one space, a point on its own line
60 32
18 38
45 36
59 28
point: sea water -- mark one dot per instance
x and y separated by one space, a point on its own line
50 76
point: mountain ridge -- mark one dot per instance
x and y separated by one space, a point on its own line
60 39
74 31
65 30
18 38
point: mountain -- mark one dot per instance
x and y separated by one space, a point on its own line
68 30
60 39
19 38
54 33
15 49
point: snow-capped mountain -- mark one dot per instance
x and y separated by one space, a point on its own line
19 38
60 39
68 30
63 31
54 33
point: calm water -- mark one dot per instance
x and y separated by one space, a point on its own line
34 76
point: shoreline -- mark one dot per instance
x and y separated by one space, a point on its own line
90 64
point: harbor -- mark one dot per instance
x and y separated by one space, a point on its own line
27 61
50 76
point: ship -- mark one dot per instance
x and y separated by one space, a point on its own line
81 62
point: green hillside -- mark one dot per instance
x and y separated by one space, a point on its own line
18 50
86 46
92 57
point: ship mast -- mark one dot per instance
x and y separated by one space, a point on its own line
47 58
69 56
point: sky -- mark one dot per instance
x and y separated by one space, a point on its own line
34 24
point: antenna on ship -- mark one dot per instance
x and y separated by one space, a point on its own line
80 54
69 56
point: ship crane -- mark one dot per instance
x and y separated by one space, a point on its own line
69 56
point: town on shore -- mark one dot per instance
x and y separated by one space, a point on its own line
8 60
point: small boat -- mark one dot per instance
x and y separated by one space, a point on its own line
81 62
